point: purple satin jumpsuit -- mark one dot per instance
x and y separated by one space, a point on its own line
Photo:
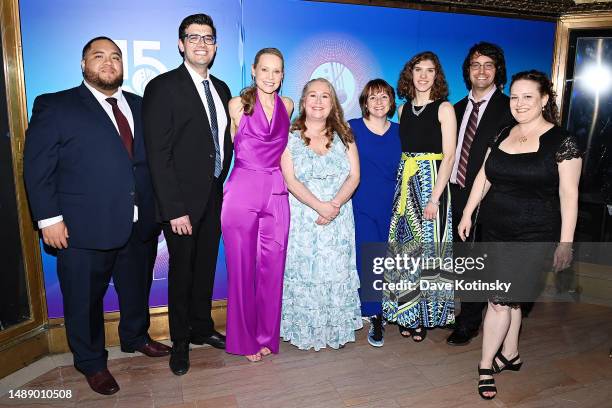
255 226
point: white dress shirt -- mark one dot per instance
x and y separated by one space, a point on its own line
464 122
221 117
124 107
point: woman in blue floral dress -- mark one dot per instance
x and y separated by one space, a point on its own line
320 296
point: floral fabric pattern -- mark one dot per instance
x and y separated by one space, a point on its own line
320 293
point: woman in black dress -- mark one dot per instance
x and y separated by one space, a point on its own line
530 180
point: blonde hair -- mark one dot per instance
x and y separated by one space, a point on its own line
335 120
247 95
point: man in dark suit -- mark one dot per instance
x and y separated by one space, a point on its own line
90 192
480 116
186 127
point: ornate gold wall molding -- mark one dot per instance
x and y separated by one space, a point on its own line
539 9
565 24
25 342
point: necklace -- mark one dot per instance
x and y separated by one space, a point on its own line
374 130
523 137
418 112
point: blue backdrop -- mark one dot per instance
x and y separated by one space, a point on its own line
348 44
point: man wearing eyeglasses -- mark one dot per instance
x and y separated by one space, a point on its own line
481 114
189 146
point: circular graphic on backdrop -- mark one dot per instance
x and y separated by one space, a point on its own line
340 77
141 78
341 59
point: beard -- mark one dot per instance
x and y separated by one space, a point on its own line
108 85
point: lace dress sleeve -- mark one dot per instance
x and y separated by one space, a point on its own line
568 149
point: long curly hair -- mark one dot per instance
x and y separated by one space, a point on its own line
492 51
545 86
405 84
334 123
247 95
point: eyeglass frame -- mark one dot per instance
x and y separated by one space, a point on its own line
476 66
200 38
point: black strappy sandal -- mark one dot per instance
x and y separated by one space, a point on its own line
507 364
421 334
487 385
403 330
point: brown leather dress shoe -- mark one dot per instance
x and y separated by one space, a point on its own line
103 382
151 348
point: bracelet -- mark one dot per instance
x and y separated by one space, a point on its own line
434 202
569 244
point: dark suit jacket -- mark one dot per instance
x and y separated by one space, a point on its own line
179 143
495 117
76 165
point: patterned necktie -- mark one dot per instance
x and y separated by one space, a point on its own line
468 138
124 126
214 128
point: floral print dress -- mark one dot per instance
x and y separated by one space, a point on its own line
320 294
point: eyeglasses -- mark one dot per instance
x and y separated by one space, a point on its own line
475 66
195 38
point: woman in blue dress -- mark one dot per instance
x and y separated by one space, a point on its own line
379 149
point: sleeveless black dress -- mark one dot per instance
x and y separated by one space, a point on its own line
411 234
521 213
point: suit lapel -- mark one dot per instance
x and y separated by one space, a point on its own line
191 93
459 112
93 105
221 91
491 114
227 139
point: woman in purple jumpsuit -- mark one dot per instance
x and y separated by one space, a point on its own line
255 214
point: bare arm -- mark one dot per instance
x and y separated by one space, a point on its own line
288 105
399 112
569 177
302 193
236 109
352 180
480 188
448 125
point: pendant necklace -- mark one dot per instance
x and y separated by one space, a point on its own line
523 138
421 109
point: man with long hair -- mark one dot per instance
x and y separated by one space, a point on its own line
480 115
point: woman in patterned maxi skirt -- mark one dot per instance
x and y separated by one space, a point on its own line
421 222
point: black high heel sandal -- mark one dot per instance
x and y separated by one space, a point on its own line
487 385
507 364
403 330
421 334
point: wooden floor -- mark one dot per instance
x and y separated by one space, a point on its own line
565 348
